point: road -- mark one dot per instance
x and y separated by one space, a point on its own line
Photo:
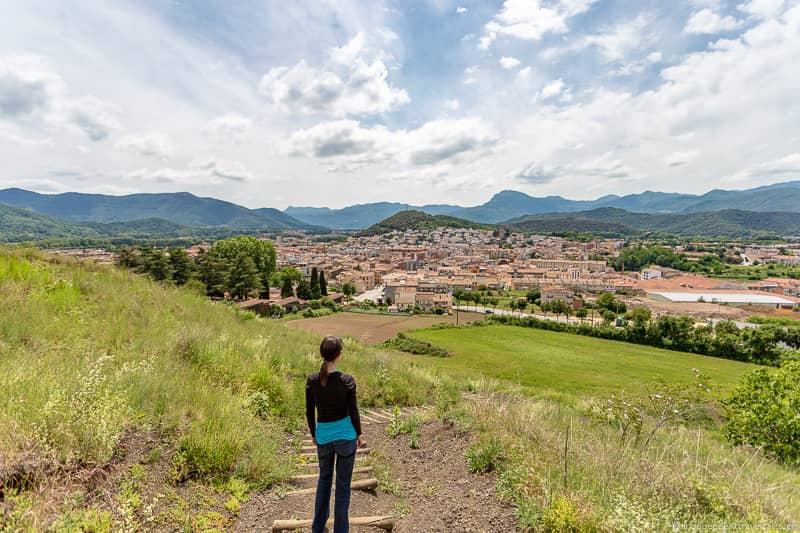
372 294
482 309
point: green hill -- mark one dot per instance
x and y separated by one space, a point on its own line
417 220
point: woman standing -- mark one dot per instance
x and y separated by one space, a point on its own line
336 430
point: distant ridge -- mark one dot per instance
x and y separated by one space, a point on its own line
779 197
727 224
181 208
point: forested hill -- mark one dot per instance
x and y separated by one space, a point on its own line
417 220
729 223
182 208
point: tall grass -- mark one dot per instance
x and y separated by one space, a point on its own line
90 354
564 467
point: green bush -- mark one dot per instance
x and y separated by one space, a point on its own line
408 344
485 456
763 412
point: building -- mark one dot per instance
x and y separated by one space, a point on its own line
553 294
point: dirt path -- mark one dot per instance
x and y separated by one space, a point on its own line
428 489
374 328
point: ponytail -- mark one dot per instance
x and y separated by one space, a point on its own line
330 349
323 373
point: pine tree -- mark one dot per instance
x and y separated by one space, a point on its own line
244 277
323 285
181 264
315 290
127 258
303 290
158 266
213 272
287 290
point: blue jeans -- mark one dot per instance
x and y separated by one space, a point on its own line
343 454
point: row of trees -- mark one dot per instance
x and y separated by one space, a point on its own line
767 345
240 266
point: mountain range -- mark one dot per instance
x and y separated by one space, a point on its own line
769 210
506 205
181 208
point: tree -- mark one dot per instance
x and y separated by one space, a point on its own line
303 291
261 252
522 305
323 285
314 289
582 313
534 296
127 258
158 265
213 272
244 277
348 289
287 289
181 264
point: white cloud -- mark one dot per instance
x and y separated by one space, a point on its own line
532 19
452 104
617 42
677 159
552 89
231 126
353 82
197 172
30 89
782 168
348 145
509 63
764 9
706 21
461 9
471 74
655 57
524 75
157 145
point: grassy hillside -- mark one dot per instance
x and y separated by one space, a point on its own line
570 366
129 405
417 220
96 362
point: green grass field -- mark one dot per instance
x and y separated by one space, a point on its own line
546 362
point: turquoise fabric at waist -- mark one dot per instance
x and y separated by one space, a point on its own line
337 430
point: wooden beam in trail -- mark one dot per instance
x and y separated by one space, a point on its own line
316 465
379 416
306 477
366 419
383 522
358 484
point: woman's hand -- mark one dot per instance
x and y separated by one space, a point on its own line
314 440
361 442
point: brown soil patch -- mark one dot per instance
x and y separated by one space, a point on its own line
373 329
435 490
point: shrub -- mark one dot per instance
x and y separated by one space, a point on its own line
485 456
563 516
418 347
762 412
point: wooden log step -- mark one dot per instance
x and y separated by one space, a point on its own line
359 451
356 470
383 522
379 416
357 484
365 419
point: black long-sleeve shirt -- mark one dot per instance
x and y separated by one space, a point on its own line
333 402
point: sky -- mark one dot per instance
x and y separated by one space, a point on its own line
338 102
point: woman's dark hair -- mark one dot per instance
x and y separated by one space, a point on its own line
330 348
